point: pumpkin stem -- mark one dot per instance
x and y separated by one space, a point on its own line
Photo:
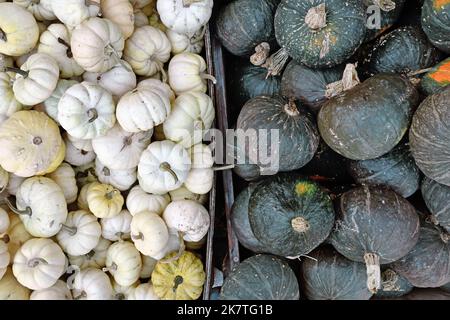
3 36
300 224
223 168
106 171
110 194
109 49
187 3
26 212
207 76
120 235
120 296
275 63
418 72
5 238
261 54
37 141
349 80
291 108
23 73
71 230
112 268
82 295
33 263
385 5
166 167
389 281
180 250
69 49
90 254
372 261
445 237
92 115
139 236
176 282
316 18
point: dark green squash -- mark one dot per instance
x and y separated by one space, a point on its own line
375 226
290 215
370 119
446 287
438 77
427 265
402 51
437 199
395 169
387 17
297 141
436 23
316 40
393 285
426 294
261 277
429 136
243 24
329 276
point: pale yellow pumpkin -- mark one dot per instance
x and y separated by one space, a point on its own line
16 235
11 289
124 263
149 233
8 102
104 200
121 13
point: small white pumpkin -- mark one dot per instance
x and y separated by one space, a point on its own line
80 233
144 291
117 228
39 263
75 156
118 80
51 103
4 258
8 102
97 44
120 179
188 217
124 263
4 221
41 9
191 117
4 179
140 19
121 13
138 200
104 200
201 177
148 264
74 12
16 235
55 42
147 50
59 291
86 111
185 16
149 233
183 193
154 82
163 167
64 176
19 31
119 149
122 292
36 80
14 183
92 284
96 258
11 289
42 206
183 43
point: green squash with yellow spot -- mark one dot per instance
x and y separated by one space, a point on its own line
437 78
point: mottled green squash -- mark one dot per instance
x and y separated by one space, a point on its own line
436 23
393 285
437 78
437 199
388 16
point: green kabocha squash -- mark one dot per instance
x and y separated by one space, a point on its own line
290 215
395 169
268 117
319 33
437 199
427 265
261 277
429 136
375 226
393 285
446 287
370 119
438 77
243 167
243 24
381 15
436 23
327 275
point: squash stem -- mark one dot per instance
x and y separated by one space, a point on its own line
223 168
17 70
106 172
110 194
3 36
300 224
112 268
147 137
166 168
82 295
92 115
71 230
33 263
5 238
26 212
275 63
69 49
418 72
181 250
139 236
350 79
372 261
262 52
316 17
445 237
385 5
176 282
111 50
120 296
120 235
389 280
207 76
291 108
90 254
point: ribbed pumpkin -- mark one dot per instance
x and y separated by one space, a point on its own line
370 119
438 77
393 285
388 11
436 23
437 197
429 136
261 277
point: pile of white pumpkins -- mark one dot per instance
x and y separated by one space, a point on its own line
104 174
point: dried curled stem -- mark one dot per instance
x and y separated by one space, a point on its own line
316 17
69 49
275 63
372 261
181 250
165 166
385 5
349 80
262 52
26 212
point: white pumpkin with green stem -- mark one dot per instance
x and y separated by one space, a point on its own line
86 111
120 179
11 289
4 221
8 102
124 263
55 42
80 233
184 43
119 149
104 200
92 284
41 9
39 263
16 235
191 117
149 233
144 291
51 103
64 176
148 264
19 31
163 167
147 50
96 258
75 156
117 228
74 12
123 292
138 200
121 13
4 257
97 44
59 291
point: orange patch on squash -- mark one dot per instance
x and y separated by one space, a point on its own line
304 187
442 74
438 4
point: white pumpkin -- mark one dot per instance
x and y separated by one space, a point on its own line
104 200
14 183
191 117
11 289
59 291
201 177
149 233
80 233
39 263
4 221
75 156
185 16
92 284
82 144
16 235
96 258
144 107
124 263
120 179
74 12
187 73
119 149
4 258
144 291
140 19
163 167
55 42
19 31
183 43
188 217
117 228
121 13
51 103
122 292
86 111
8 102
118 80
148 264
41 9
37 79
155 82
97 44
183 193
42 206
147 50
4 179
64 176
138 200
